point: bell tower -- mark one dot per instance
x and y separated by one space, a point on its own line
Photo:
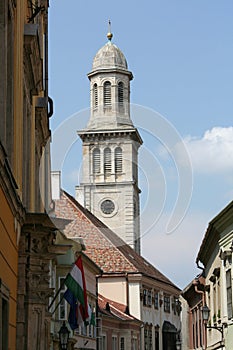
110 143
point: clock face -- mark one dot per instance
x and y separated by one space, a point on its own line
107 206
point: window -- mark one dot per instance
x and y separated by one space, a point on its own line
114 343
166 303
62 305
120 94
118 160
107 94
96 161
145 291
103 342
156 339
107 161
156 300
150 338
149 298
229 293
4 315
122 343
95 95
145 338
134 344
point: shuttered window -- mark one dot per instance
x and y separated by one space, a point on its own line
95 95
107 161
107 94
121 93
229 293
96 161
118 160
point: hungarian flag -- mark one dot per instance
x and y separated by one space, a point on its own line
76 294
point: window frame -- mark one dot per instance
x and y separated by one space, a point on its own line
167 303
4 315
118 160
107 95
95 96
96 161
107 161
62 301
120 91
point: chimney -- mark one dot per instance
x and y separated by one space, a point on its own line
56 184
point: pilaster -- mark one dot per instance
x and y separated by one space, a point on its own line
36 251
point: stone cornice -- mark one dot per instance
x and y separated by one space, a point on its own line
92 135
111 71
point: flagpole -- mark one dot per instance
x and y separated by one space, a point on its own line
56 295
58 304
62 285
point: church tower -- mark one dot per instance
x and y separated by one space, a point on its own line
109 185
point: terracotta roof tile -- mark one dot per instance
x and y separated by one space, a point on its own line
114 309
103 246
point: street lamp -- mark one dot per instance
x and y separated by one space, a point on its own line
205 316
64 334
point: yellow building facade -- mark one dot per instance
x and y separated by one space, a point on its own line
26 233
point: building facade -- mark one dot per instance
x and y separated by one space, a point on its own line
109 186
127 278
118 329
213 288
27 234
216 255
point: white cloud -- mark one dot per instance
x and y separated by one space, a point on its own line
213 153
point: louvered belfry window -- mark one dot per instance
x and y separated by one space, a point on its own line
96 161
121 93
107 94
118 160
95 95
107 161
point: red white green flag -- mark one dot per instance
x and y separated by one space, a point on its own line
76 284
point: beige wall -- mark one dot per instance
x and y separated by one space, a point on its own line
114 289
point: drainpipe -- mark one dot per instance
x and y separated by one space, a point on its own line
195 283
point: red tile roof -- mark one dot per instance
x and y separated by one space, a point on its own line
111 308
103 246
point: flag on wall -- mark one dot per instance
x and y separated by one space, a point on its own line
76 294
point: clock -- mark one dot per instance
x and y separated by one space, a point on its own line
107 207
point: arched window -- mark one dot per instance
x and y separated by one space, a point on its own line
95 95
120 93
107 161
107 94
96 161
118 160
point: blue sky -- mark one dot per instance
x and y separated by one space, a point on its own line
181 54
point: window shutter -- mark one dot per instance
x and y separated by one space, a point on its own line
121 94
95 95
107 161
107 94
118 160
96 161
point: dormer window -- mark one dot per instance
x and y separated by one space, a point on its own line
107 94
121 93
95 95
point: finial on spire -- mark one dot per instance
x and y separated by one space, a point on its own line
109 35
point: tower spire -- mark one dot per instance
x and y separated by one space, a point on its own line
109 35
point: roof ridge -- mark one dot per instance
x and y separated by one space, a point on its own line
132 261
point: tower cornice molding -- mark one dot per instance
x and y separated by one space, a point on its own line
111 71
91 135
